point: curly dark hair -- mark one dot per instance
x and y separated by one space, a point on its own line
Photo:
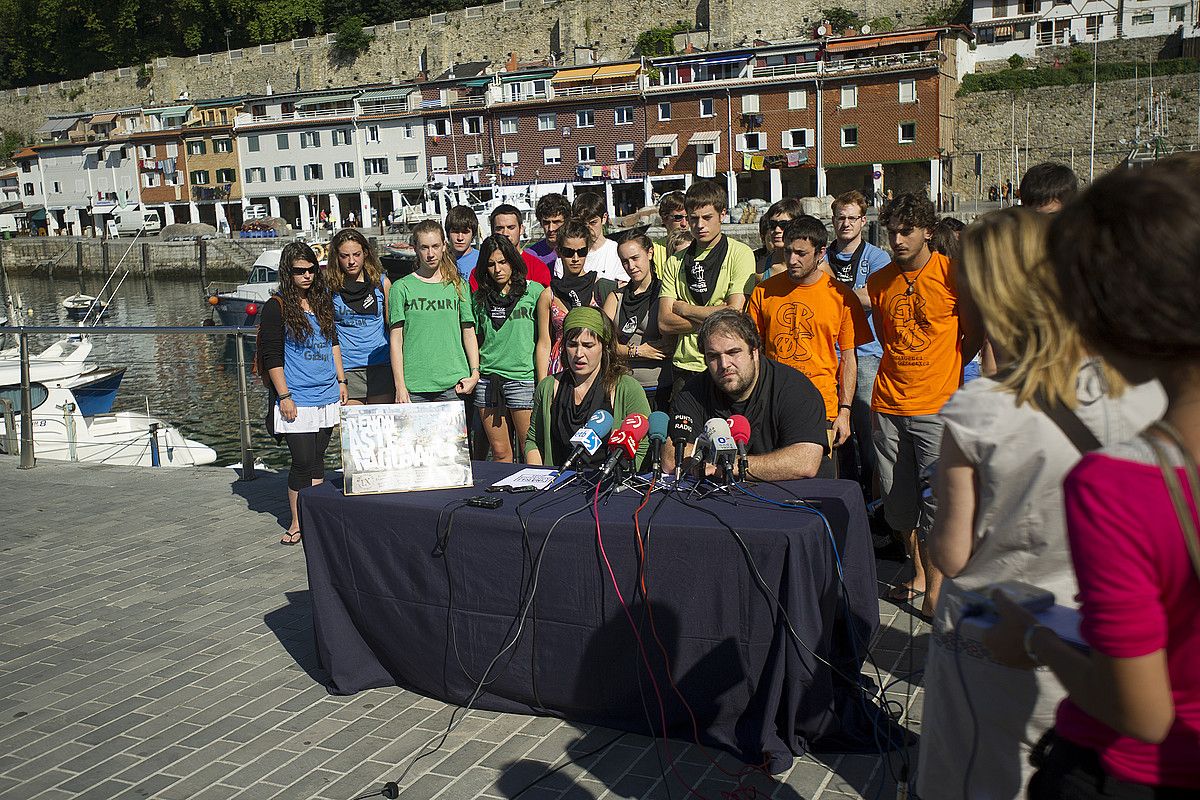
1124 253
320 298
909 210
489 290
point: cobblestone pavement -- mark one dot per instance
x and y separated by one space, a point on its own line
155 641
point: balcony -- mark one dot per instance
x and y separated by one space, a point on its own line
244 119
390 107
815 69
883 63
591 91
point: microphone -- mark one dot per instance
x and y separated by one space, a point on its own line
739 428
624 443
683 433
587 440
658 437
721 443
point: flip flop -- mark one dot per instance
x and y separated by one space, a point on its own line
290 538
904 594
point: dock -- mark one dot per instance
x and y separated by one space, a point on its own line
156 642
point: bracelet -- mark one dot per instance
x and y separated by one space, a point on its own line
842 406
633 351
343 380
285 396
1027 642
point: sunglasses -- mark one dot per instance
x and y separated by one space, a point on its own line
678 217
567 252
777 223
304 270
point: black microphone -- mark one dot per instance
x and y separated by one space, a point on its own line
683 433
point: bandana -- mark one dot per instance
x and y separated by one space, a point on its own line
701 276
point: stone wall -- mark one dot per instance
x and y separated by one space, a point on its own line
1060 119
532 28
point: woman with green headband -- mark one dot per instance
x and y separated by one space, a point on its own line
592 378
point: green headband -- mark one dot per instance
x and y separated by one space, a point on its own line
586 317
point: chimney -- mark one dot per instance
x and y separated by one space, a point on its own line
511 66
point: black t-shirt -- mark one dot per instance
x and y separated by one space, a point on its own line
783 409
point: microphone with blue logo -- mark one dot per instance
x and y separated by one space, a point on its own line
589 438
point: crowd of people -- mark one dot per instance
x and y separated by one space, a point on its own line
1020 395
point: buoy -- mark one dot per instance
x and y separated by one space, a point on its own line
213 300
251 310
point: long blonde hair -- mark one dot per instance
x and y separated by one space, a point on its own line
372 268
447 269
1010 278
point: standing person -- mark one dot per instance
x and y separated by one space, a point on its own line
812 323
360 291
552 212
577 287
634 313
591 380
852 259
506 322
435 355
298 344
921 323
1047 187
462 229
709 275
590 209
506 220
1000 508
771 258
350 219
1129 727
673 215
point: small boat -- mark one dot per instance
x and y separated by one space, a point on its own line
64 364
79 306
239 306
129 438
398 260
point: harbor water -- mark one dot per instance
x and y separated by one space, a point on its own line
189 382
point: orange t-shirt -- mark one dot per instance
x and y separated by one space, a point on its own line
922 363
805 327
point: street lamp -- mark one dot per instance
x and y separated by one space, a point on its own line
379 206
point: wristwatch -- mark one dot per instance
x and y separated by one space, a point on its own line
1027 642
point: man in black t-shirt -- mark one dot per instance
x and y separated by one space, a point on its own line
789 435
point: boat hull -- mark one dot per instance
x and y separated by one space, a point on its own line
96 392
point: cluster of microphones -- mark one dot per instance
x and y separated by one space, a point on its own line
721 442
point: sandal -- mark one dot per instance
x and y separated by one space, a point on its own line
290 538
904 594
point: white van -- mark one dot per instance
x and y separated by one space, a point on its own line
128 221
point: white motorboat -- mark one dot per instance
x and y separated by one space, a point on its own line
129 438
64 365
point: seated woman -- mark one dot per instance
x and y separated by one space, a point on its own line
634 312
593 379
577 287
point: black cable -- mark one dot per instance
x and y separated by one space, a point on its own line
601 750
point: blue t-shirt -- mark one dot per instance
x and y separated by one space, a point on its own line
362 337
308 368
545 251
873 259
466 263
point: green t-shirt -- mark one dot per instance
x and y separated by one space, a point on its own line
508 352
433 316
735 272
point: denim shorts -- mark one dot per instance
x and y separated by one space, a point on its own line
518 395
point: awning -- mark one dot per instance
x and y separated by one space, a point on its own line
92 151
661 140
728 60
325 99
58 125
510 77
27 211
113 148
167 111
381 95
24 152
880 41
103 119
575 74
10 207
617 71
475 83
704 137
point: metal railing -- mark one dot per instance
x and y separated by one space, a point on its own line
239 334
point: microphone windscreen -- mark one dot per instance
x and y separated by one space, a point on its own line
636 426
601 422
719 437
739 428
683 428
658 427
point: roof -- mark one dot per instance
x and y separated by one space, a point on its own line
872 42
704 137
57 125
100 119
25 152
470 69
168 111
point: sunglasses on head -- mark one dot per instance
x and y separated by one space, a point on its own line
304 270
568 252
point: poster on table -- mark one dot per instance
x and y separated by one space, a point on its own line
405 447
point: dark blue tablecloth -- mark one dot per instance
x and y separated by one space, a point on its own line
387 611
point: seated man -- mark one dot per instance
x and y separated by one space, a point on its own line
788 432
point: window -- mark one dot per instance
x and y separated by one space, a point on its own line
472 126
285 173
797 99
625 152
796 139
26 167
907 132
750 104
551 155
409 131
850 136
341 136
281 141
587 154
149 180
256 174
408 165
706 107
193 149
147 150
664 112
310 139
372 134
849 97
508 126
510 157
226 176
1094 23
28 189
219 146
439 127
750 142
908 91
199 177
1175 14
1144 18
343 169
439 164
585 118
1030 6
56 188
545 122
999 9
474 160
313 172
624 115
252 144
375 166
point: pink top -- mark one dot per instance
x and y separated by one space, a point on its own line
1138 593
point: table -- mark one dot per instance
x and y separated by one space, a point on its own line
388 611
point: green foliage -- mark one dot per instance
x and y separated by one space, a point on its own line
1016 61
351 42
1080 56
944 15
1072 73
658 41
840 19
10 142
881 24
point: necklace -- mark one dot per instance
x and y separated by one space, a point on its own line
912 285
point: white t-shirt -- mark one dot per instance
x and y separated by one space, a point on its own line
606 263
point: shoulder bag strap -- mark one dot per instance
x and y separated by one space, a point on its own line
1069 423
1171 478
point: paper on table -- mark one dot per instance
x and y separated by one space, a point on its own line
537 478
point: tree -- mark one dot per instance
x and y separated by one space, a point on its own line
352 41
840 19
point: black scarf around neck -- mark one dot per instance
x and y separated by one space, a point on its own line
568 418
635 308
499 309
701 276
360 297
574 291
847 272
